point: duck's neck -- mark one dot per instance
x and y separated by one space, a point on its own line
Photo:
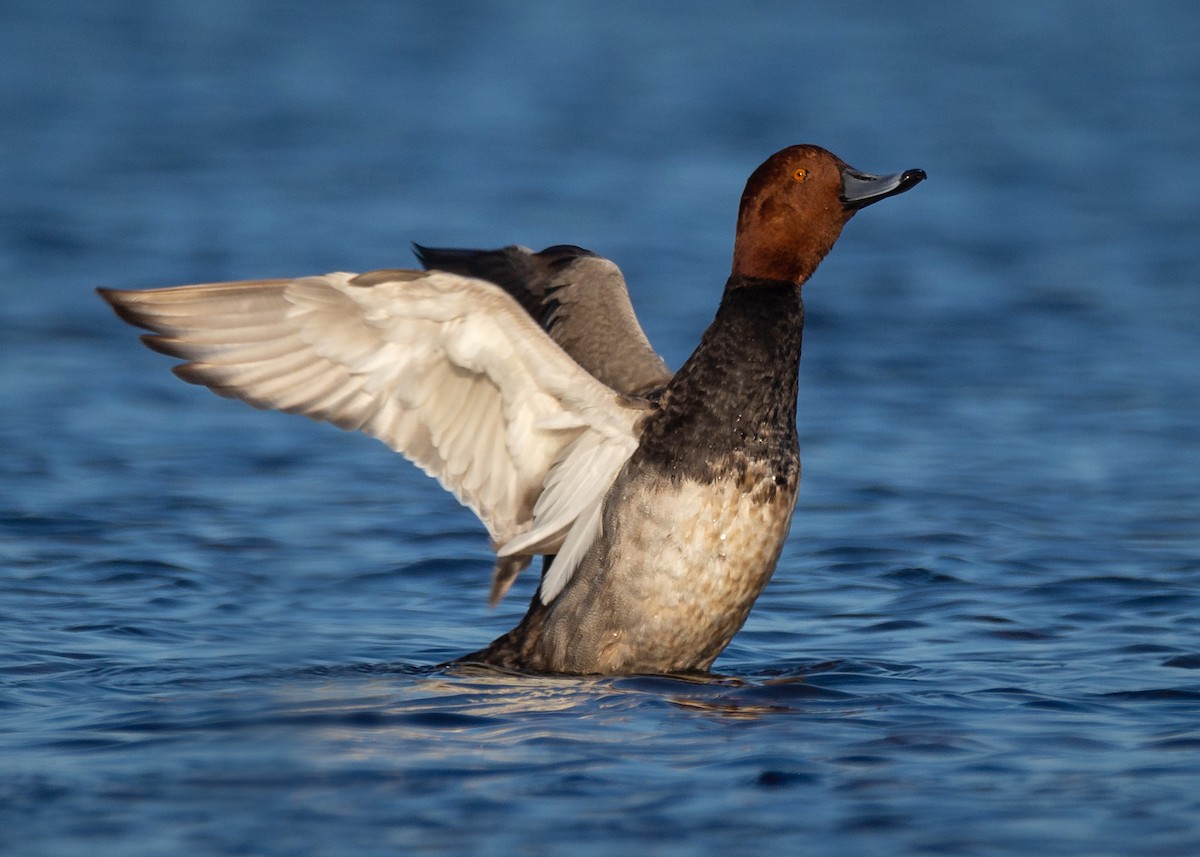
735 397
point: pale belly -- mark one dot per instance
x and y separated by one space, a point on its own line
672 577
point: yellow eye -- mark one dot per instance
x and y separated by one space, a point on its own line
800 174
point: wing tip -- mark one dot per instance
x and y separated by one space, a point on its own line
122 303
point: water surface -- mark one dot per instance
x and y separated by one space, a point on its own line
219 628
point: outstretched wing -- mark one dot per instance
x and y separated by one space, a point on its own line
447 370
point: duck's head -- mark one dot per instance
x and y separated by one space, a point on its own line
794 208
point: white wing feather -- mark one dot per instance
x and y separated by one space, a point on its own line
448 371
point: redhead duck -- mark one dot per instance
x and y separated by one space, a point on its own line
660 502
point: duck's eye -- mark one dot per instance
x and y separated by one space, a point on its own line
800 174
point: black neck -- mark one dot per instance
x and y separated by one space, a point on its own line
735 397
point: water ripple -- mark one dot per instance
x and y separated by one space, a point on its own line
220 629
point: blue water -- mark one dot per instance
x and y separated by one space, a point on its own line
219 627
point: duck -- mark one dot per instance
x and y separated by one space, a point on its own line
660 502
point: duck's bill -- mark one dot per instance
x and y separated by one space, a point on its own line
861 189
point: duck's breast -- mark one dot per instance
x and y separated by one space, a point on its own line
675 571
